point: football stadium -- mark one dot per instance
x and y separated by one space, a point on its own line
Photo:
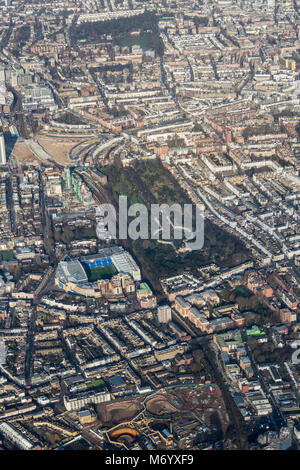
77 276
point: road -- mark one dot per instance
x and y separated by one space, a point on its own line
7 35
276 410
29 354
42 204
10 204
212 363
19 114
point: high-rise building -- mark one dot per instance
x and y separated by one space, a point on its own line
2 150
164 314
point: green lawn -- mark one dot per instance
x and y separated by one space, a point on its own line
101 273
95 383
128 41
7 255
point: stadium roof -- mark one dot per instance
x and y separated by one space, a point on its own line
71 271
124 263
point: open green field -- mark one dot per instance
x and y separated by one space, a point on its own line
7 255
100 273
128 41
